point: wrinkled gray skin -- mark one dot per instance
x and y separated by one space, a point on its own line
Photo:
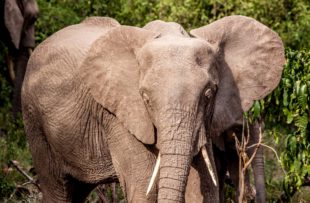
17 33
101 101
227 160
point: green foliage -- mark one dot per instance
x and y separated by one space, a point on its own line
53 16
13 145
295 92
290 18
287 115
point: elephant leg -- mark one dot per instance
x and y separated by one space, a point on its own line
47 168
55 185
232 159
63 189
221 169
77 191
20 69
133 163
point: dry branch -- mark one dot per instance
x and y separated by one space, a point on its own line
274 151
20 170
100 192
244 160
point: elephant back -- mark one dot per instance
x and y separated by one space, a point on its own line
51 75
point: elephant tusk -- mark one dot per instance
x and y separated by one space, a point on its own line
156 168
11 68
30 51
208 163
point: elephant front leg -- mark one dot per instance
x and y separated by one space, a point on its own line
133 164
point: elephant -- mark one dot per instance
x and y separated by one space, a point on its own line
104 102
17 34
227 159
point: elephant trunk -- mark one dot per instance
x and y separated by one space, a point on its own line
176 148
258 163
174 170
259 176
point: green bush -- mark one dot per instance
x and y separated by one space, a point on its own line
287 115
290 18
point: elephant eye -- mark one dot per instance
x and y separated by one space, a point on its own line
145 98
198 61
208 93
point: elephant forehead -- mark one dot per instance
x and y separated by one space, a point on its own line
172 74
177 57
166 28
177 45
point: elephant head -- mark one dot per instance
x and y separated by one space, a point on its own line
175 91
19 18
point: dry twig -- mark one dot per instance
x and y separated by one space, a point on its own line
19 169
100 192
274 151
244 160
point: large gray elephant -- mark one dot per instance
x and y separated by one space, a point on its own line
103 101
17 18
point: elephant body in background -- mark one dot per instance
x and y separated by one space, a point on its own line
227 159
17 20
103 101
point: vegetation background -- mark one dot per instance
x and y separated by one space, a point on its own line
286 111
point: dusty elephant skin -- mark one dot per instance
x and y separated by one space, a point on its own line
103 101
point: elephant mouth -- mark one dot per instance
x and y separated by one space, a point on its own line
206 158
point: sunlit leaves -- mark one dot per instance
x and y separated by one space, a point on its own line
287 108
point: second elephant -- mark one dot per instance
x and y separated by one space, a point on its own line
227 159
17 19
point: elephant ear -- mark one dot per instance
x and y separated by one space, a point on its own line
30 13
250 59
111 72
14 21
